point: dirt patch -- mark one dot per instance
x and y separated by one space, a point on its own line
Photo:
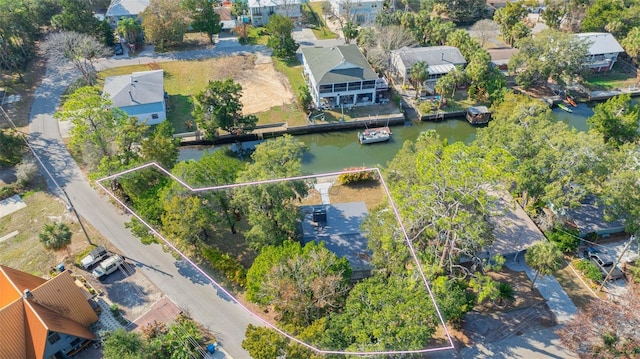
263 87
537 90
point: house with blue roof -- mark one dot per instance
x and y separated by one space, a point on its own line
140 95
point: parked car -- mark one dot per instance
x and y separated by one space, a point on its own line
108 266
94 257
604 263
118 49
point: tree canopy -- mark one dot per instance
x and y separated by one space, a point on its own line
617 120
203 17
544 257
280 39
165 22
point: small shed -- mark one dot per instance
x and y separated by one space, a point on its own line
478 115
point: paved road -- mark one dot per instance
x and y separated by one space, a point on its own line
179 281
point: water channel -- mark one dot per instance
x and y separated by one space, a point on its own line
335 151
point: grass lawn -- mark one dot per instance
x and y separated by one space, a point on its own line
314 14
25 252
610 80
286 113
574 286
257 36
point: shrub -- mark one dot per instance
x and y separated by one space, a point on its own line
55 235
426 107
223 262
356 177
566 239
589 269
26 171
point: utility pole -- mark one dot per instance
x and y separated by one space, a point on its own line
615 265
49 174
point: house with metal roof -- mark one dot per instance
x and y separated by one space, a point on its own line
261 10
439 59
338 226
140 95
122 9
338 76
360 12
42 318
603 50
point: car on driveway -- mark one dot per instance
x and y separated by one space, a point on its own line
118 49
604 262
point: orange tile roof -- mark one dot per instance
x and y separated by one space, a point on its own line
56 305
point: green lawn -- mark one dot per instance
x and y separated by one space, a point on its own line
610 80
257 36
314 14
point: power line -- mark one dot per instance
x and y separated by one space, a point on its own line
70 206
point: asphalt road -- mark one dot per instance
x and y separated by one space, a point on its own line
180 282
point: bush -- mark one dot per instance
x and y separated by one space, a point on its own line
566 239
356 177
230 267
426 107
26 172
589 269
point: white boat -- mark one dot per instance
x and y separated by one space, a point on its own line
373 135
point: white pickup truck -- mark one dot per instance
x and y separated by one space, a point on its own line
94 257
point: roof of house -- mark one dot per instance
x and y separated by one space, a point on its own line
513 229
126 7
139 88
224 12
601 43
440 59
337 64
502 55
56 305
341 234
589 217
266 3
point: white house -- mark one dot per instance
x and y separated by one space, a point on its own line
339 75
361 12
260 10
119 9
440 60
603 50
140 95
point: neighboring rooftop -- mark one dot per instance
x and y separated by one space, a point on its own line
338 64
440 59
589 218
340 232
268 3
502 56
601 43
126 7
139 88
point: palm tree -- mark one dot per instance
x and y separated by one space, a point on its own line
544 257
129 29
505 293
55 235
418 74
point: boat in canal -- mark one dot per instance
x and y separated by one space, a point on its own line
571 101
564 107
374 135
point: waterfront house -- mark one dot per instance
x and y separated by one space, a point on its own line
603 50
500 57
122 9
338 226
140 95
43 318
360 12
339 76
261 10
440 60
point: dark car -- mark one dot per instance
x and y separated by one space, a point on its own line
603 262
118 49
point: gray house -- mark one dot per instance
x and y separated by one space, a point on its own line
140 95
338 226
119 9
440 60
603 50
261 10
339 75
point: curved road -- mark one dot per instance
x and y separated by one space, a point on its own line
180 282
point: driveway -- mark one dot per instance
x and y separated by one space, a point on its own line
225 318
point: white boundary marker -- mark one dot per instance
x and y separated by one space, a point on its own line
195 266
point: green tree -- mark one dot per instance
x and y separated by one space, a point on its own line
369 323
554 12
12 147
121 344
55 235
438 30
418 74
269 207
631 43
186 219
77 16
616 120
130 30
350 31
263 343
454 300
19 30
219 106
165 22
280 39
269 257
203 17
621 192
549 55
601 13
507 17
239 8
544 257
463 11
161 147
464 42
486 82
448 83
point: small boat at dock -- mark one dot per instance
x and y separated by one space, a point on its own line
564 107
373 135
571 101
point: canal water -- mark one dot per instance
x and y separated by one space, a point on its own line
335 151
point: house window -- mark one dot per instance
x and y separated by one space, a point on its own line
326 89
340 87
360 19
53 337
354 86
369 84
154 116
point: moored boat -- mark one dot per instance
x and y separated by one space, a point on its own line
564 107
373 135
571 101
